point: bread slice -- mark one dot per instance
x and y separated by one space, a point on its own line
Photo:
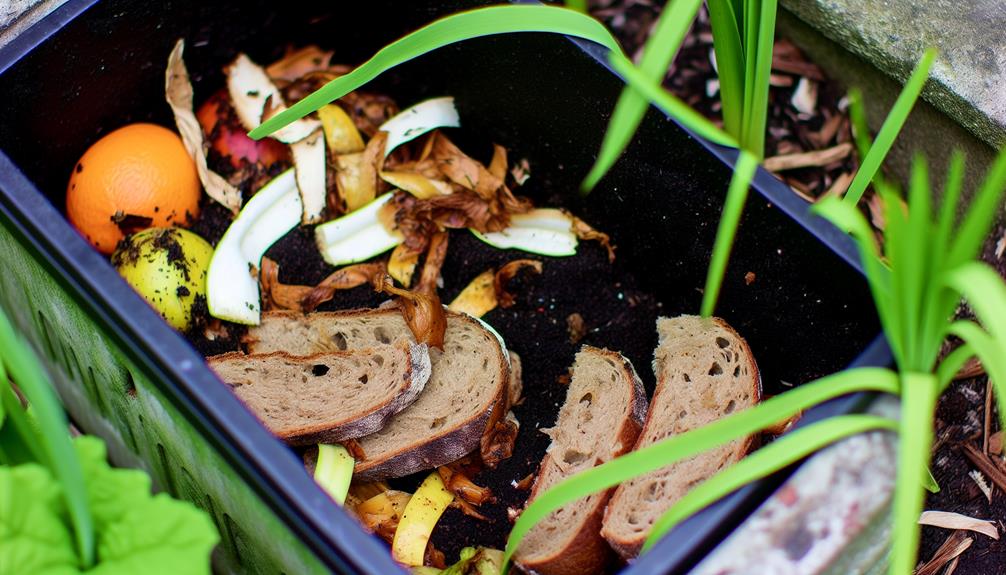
466 393
326 397
704 371
603 413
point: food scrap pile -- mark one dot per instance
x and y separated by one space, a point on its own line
351 206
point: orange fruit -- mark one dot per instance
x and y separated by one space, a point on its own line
137 177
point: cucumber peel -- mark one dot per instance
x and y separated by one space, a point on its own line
334 471
419 119
357 236
542 231
232 285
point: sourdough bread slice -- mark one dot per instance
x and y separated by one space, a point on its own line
465 395
704 371
326 397
603 413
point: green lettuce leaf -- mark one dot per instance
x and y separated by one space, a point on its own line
138 533
111 492
33 537
158 535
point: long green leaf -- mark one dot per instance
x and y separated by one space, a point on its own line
985 292
455 28
578 5
918 401
915 265
660 49
991 353
24 368
755 119
669 103
929 482
941 304
891 127
860 127
685 445
788 449
729 63
737 195
977 222
952 363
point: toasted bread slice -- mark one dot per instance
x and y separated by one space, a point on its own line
600 420
466 393
704 371
326 397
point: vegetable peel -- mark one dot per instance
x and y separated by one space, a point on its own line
357 236
418 520
178 92
232 286
334 471
255 97
543 231
419 119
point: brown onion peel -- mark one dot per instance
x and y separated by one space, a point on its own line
506 273
423 313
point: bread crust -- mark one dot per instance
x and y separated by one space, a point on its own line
414 381
629 548
431 450
587 551
449 445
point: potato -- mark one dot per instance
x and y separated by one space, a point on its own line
167 266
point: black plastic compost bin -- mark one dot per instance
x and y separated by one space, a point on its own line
125 375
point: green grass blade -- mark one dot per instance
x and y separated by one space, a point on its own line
891 127
918 402
578 5
674 22
985 292
860 127
730 219
992 354
749 43
685 445
897 244
729 63
952 363
914 267
929 482
455 28
756 117
951 196
786 450
942 303
54 438
981 214
669 103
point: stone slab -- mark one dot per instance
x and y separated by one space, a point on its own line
830 518
17 15
892 35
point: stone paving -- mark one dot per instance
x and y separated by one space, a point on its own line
970 35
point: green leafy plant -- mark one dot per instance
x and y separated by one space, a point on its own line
63 509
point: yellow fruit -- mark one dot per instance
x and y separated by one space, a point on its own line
167 266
